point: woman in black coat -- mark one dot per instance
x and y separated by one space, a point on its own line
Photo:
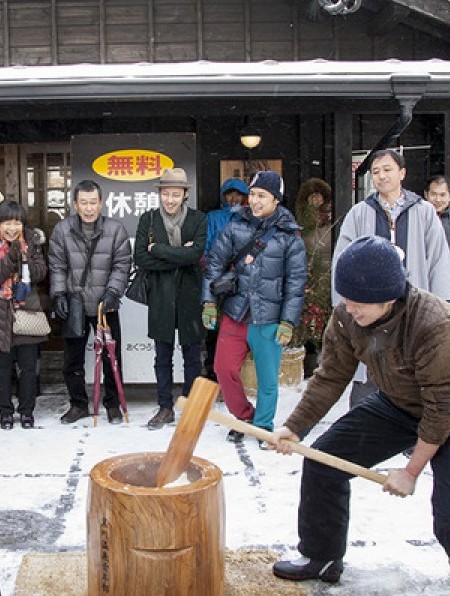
22 266
169 244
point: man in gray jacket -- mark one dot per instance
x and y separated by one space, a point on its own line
410 223
72 241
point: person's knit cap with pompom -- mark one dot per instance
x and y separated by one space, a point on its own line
270 181
370 271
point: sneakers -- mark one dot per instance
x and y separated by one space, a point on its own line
27 421
162 417
304 568
73 414
114 415
235 436
6 422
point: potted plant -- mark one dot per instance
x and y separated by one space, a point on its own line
300 357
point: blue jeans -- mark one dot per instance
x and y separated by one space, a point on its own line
164 369
370 433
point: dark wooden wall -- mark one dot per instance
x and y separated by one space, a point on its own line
310 143
114 31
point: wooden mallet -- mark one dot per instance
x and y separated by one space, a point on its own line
264 435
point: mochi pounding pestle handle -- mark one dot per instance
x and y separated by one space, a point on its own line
181 447
309 452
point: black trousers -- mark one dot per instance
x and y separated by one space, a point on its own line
26 357
210 345
370 433
74 360
164 369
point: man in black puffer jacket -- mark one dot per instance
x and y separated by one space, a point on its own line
107 276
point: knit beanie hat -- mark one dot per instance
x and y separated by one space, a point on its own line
234 184
270 181
370 271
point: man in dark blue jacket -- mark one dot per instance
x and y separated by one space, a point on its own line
261 315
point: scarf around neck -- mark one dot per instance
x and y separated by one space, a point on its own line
174 223
6 288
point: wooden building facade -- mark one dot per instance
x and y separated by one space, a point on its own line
318 87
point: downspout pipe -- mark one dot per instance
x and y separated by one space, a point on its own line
407 103
401 123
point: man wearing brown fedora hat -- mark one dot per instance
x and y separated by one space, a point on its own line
173 177
169 244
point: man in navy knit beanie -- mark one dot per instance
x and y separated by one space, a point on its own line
402 335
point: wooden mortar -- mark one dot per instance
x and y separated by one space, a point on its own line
145 541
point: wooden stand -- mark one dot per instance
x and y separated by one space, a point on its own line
144 540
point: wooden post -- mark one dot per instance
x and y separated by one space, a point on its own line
342 182
144 540
12 173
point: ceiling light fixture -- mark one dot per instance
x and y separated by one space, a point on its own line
250 137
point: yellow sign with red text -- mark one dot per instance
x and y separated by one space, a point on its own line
125 165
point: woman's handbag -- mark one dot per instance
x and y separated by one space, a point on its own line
30 322
74 325
138 286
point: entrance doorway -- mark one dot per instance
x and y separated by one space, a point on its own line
45 180
45 171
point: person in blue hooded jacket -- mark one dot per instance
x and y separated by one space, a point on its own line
233 195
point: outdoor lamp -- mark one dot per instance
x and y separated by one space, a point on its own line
250 137
340 7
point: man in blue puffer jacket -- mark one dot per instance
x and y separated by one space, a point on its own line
270 292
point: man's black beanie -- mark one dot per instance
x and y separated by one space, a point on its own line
370 271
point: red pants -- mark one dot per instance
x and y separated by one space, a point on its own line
231 350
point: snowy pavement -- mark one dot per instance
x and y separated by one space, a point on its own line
44 478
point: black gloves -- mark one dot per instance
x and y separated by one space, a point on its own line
111 300
15 251
60 306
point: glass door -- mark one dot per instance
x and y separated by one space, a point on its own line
45 180
45 189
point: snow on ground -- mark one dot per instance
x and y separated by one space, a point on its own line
44 479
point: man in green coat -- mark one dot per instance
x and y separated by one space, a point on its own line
169 244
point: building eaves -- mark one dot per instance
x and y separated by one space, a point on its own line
177 81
